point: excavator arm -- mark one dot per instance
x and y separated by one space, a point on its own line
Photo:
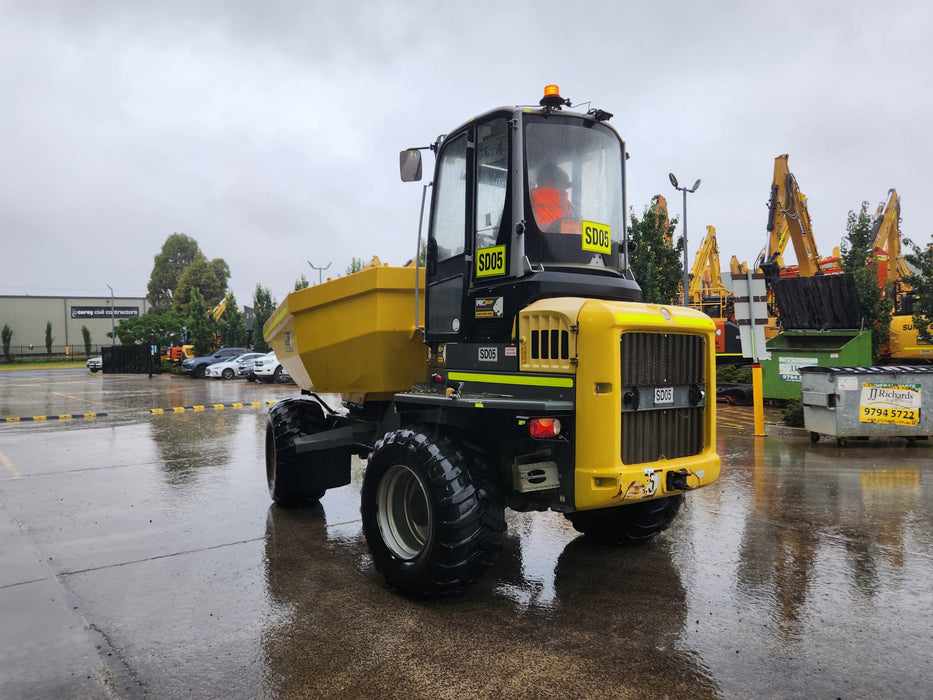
706 279
887 230
788 220
659 205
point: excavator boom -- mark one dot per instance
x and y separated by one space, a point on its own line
706 279
788 220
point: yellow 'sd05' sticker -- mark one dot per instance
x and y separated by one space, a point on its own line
596 237
490 261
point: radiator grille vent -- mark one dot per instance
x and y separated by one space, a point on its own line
662 359
550 345
651 435
656 359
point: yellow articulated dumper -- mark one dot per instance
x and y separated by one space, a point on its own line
518 368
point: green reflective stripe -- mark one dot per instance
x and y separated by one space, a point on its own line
522 379
279 316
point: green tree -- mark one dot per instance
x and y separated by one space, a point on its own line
921 282
151 329
210 279
200 323
356 264
86 334
301 283
263 307
232 326
48 337
655 263
858 257
177 253
6 335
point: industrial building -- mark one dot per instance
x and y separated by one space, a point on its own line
27 316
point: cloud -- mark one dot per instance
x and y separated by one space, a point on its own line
269 132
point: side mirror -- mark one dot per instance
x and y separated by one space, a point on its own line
409 165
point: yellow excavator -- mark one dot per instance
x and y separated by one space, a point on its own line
705 280
708 294
788 220
659 206
903 343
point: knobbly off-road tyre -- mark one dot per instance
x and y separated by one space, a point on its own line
431 518
630 524
289 419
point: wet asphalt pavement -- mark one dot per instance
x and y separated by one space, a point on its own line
140 557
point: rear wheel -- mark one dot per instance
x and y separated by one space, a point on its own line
289 419
627 524
432 521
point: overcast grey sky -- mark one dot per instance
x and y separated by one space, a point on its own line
269 131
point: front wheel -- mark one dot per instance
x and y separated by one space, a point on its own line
227 373
627 524
432 521
289 419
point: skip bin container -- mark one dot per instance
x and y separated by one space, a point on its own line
793 350
867 402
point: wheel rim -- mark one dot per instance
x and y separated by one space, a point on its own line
403 512
228 374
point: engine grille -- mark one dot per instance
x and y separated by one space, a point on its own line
662 359
670 433
655 359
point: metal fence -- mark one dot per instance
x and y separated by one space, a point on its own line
130 359
59 352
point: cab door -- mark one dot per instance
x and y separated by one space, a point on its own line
446 256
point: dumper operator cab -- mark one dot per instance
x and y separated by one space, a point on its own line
525 205
530 375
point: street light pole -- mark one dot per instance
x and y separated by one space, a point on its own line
113 334
320 270
685 190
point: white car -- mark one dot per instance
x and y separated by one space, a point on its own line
228 368
268 369
95 364
245 368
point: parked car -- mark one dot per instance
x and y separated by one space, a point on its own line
196 366
95 364
227 369
245 368
268 369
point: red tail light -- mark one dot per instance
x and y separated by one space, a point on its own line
543 428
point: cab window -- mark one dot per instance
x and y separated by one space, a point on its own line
574 177
450 200
492 175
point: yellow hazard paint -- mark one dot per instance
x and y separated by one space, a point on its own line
8 465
